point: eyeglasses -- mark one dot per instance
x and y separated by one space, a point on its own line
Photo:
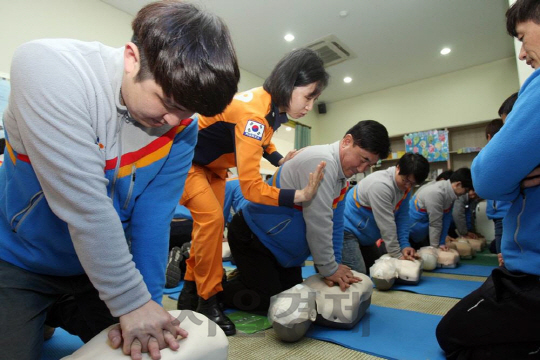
407 181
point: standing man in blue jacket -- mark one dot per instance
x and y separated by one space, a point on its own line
378 207
270 244
500 320
99 143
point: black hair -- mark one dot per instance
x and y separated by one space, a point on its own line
445 175
372 136
508 104
493 127
463 175
300 67
189 53
522 11
414 164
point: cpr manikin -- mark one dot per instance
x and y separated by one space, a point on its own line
433 258
292 312
386 270
478 244
206 340
462 246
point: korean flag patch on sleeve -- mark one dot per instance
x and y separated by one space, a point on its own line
254 130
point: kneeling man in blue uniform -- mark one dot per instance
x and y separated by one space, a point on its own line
270 244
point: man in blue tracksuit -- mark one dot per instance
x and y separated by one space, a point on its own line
500 320
99 144
270 244
430 210
378 207
234 199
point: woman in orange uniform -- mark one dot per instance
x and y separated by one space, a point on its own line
239 137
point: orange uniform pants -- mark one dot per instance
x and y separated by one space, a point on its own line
204 194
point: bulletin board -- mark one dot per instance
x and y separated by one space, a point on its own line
432 144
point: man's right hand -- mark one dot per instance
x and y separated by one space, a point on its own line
310 190
408 253
343 277
146 329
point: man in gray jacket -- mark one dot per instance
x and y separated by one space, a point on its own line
463 215
100 141
378 207
270 244
430 210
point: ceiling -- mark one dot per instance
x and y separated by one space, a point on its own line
395 41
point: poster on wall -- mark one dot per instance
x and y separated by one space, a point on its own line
432 144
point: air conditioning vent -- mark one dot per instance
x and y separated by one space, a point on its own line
331 50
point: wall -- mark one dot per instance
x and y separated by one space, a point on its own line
523 69
457 98
89 20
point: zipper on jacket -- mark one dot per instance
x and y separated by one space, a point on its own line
131 185
278 227
125 117
519 222
33 202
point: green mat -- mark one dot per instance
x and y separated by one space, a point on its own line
482 258
249 323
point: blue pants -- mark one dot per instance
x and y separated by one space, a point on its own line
29 300
351 253
358 257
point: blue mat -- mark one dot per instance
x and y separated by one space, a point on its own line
61 344
174 289
441 287
307 271
465 269
389 333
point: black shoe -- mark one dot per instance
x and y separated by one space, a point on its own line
211 310
173 273
48 332
188 299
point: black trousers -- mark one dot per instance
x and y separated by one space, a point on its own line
29 300
180 232
260 274
500 320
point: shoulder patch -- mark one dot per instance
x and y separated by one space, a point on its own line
254 130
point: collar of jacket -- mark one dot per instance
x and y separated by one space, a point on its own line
275 118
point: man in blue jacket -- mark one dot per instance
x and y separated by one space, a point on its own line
270 244
501 320
378 207
99 143
430 210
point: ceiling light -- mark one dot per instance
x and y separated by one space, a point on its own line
343 13
289 37
445 51
288 128
347 79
